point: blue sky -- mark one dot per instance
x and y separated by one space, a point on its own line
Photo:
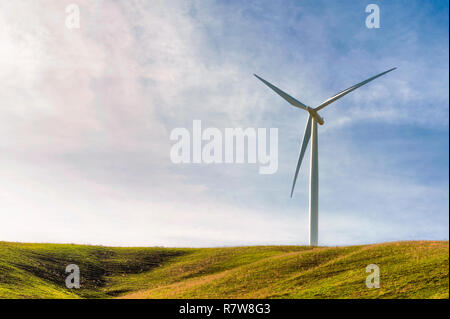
87 115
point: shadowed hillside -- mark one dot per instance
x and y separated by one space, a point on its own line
407 270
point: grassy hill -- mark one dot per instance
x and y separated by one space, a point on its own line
416 269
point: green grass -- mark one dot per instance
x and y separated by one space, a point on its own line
407 270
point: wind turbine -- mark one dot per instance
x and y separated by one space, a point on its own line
311 133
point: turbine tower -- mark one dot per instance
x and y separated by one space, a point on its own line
311 133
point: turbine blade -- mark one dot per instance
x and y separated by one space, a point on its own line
306 138
346 91
284 95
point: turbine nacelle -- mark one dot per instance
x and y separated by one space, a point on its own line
315 115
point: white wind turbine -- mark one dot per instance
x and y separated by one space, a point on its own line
312 121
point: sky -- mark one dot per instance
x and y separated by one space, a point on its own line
86 116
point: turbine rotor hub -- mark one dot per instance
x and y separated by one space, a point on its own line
315 115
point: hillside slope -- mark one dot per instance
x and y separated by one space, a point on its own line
407 270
